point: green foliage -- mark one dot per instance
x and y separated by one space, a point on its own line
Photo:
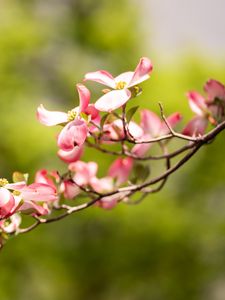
171 246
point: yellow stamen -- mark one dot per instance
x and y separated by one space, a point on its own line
121 85
3 181
16 193
71 115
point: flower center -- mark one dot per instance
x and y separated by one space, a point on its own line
3 181
120 85
71 115
16 193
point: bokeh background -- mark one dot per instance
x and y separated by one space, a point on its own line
170 247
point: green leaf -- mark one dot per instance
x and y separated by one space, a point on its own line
103 120
17 177
131 112
140 173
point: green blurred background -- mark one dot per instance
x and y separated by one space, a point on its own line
170 247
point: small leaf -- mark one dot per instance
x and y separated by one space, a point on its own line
131 112
103 120
18 177
140 173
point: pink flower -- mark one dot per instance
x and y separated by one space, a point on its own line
121 85
121 169
12 224
115 130
209 109
214 90
83 172
153 127
76 130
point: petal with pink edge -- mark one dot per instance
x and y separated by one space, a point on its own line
150 123
39 192
120 169
70 189
102 77
142 71
172 120
84 96
7 202
196 126
50 118
141 149
197 103
113 100
70 156
214 89
73 134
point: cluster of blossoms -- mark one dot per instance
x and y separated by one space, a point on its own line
105 123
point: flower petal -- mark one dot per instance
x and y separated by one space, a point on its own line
142 71
102 77
51 118
196 126
70 156
7 202
197 103
124 77
73 134
113 100
84 96
150 123
214 89
39 192
120 169
70 189
172 120
83 171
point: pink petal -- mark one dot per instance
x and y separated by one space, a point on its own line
141 149
43 176
91 110
113 100
102 185
142 71
102 77
39 192
84 96
70 189
7 202
196 126
73 134
83 171
150 123
214 89
120 169
51 118
197 103
71 156
29 207
172 120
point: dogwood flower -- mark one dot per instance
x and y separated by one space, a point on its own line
153 127
75 131
120 85
207 109
121 169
